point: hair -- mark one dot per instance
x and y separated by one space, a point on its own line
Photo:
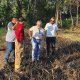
39 21
21 19
52 18
13 18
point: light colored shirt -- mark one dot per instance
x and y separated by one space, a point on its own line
10 36
37 33
51 30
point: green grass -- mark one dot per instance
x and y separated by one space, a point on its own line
2 37
2 31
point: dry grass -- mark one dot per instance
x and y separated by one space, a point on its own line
72 35
63 65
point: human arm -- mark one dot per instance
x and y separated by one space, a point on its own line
11 26
14 27
30 32
56 30
45 30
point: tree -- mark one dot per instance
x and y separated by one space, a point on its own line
32 10
77 14
69 4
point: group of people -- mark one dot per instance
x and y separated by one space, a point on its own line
15 37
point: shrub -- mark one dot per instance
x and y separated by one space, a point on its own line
66 23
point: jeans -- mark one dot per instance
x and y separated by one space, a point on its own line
10 49
36 48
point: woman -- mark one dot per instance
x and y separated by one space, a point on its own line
19 32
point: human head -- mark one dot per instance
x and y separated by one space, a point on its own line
14 20
39 23
52 20
21 19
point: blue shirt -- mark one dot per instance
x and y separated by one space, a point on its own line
51 30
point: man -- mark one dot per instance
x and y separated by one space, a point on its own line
51 33
19 32
36 33
10 39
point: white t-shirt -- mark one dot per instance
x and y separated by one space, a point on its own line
37 33
10 36
51 30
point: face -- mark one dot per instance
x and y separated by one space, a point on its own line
39 24
52 21
14 20
22 22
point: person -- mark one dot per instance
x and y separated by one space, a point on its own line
51 33
19 32
10 39
36 33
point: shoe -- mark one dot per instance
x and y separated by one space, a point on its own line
7 61
8 65
12 60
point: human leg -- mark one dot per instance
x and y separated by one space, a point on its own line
53 42
13 51
47 46
33 50
39 49
9 49
18 52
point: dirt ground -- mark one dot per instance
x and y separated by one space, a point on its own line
64 64
2 51
2 61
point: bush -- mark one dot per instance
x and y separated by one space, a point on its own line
66 23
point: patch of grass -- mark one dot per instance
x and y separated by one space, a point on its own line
2 31
2 38
72 35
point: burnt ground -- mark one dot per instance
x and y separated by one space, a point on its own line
64 64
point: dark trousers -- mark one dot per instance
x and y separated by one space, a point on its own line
50 45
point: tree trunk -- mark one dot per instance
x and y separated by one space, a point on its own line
71 15
77 13
60 19
57 15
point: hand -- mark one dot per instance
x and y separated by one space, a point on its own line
30 37
13 28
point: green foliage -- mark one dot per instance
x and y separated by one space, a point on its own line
66 23
33 10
